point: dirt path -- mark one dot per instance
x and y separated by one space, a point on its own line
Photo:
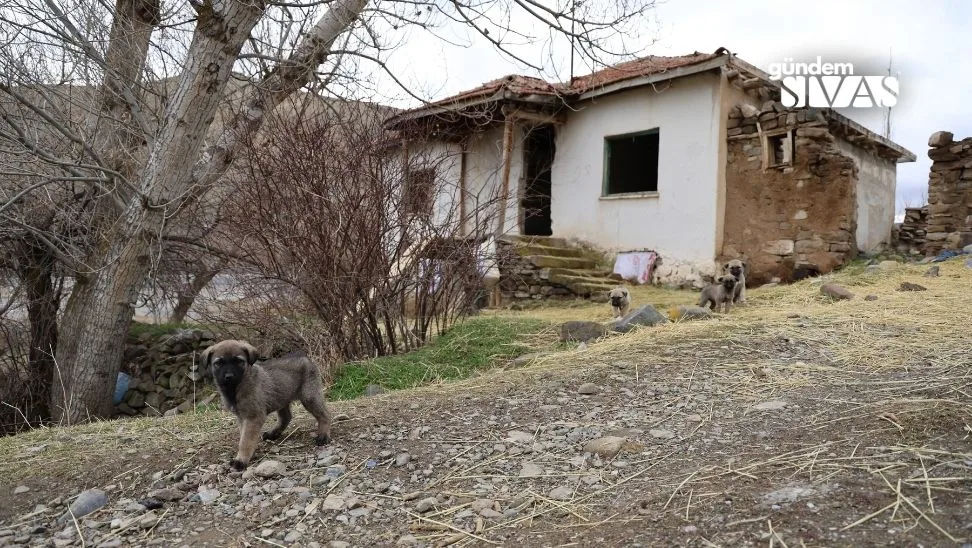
797 422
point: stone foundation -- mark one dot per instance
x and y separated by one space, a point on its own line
949 220
909 236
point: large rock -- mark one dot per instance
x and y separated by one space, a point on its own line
583 331
643 315
87 502
686 312
836 292
940 139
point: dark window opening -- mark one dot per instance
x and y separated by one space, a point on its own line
780 150
632 163
419 192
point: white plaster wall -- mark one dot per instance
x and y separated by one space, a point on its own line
682 221
484 178
876 182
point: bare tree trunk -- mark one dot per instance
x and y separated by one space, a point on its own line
186 298
99 311
43 299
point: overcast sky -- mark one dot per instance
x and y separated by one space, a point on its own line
929 43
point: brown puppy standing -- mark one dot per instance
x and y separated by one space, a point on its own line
719 293
252 391
620 301
737 269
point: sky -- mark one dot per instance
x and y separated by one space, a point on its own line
927 43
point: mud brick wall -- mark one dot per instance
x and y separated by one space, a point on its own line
949 224
792 221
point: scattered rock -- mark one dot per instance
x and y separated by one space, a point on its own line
967 249
426 504
836 292
643 315
932 272
402 459
87 502
871 298
940 139
373 390
167 494
519 436
336 544
772 405
661 433
479 505
407 540
21 489
489 513
270 469
686 312
334 503
561 493
788 494
605 447
689 529
583 331
888 265
588 388
531 470
205 496
908 286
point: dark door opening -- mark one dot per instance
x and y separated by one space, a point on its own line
538 156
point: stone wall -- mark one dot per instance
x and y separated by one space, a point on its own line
521 279
949 224
910 234
793 220
166 377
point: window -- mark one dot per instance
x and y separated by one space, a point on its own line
419 192
779 149
631 163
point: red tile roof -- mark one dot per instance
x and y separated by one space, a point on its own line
519 85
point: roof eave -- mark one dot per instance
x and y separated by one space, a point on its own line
637 81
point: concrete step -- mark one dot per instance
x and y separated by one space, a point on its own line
551 261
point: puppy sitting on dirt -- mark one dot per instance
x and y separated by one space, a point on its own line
252 391
620 301
737 269
719 293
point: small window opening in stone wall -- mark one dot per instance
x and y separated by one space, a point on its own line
779 149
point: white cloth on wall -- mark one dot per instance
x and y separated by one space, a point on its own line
635 266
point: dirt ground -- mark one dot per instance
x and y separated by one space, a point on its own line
793 421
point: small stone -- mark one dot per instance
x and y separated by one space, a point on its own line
426 504
206 496
772 405
967 249
21 489
605 447
661 433
489 513
402 459
270 469
337 544
87 502
531 470
407 540
644 315
292 536
908 286
561 493
588 388
150 503
871 298
168 494
582 331
932 272
479 504
836 292
519 436
689 529
334 503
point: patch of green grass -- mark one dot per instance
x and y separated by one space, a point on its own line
474 344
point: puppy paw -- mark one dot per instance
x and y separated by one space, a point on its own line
271 436
323 440
239 466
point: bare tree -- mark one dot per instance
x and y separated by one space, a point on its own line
115 118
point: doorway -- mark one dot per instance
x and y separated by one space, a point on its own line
538 157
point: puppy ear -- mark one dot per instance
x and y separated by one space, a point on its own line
720 279
625 291
205 355
251 353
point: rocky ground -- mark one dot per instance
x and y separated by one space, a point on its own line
795 421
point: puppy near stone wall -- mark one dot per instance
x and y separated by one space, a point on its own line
620 301
737 269
719 293
251 391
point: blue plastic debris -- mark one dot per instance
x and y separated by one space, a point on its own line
121 386
371 463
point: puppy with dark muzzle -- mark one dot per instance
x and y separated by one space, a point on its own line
251 391
737 269
620 301
719 293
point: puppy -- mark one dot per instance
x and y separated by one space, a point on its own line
251 391
620 301
719 293
737 269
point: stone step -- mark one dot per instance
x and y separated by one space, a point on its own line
548 241
566 277
526 250
551 261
